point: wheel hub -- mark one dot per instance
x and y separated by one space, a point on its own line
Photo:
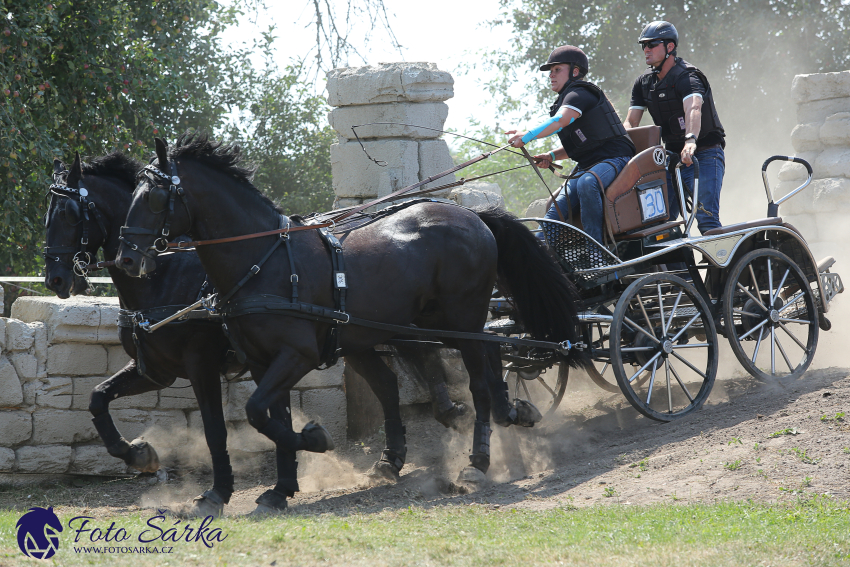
667 346
774 316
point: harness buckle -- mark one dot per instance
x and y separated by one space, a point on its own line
347 318
293 278
165 232
255 269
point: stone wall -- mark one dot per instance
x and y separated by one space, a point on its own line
822 137
53 352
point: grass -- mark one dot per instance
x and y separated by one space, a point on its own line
804 457
732 465
839 416
786 431
807 531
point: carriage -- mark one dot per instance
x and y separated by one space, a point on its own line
655 299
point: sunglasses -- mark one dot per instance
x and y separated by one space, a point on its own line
651 44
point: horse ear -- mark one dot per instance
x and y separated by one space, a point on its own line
161 152
57 167
76 172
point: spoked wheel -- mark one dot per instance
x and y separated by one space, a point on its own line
597 335
665 359
545 389
770 315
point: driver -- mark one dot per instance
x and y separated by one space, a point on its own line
679 100
590 133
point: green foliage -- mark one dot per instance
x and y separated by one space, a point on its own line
732 465
520 186
285 134
786 431
839 416
804 456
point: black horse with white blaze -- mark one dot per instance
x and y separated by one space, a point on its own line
432 265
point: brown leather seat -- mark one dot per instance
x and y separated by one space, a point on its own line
645 137
747 225
622 205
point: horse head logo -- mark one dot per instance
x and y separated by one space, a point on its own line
658 156
38 533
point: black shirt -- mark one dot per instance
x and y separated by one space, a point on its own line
687 84
581 100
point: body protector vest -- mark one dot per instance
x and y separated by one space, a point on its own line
668 110
593 128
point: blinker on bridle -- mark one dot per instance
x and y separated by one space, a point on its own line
159 200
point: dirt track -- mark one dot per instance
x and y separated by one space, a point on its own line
597 450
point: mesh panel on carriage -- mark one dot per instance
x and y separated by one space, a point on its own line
577 250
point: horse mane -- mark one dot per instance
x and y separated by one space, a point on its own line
226 158
115 164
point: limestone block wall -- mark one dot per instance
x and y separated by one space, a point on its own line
822 137
402 93
53 352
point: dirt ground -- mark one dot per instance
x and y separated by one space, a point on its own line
751 441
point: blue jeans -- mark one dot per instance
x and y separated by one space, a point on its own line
712 166
584 192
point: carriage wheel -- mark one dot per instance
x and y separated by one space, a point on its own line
770 315
545 389
666 359
599 370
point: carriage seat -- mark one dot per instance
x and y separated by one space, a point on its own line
646 171
645 137
769 221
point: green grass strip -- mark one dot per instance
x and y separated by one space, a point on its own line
812 531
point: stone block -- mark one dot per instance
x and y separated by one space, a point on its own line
83 386
434 158
404 116
19 335
179 395
475 199
536 209
2 327
242 437
16 427
195 422
95 460
166 428
45 459
11 394
831 195
344 202
237 396
354 175
7 460
107 331
832 162
54 393
332 377
40 348
74 359
806 137
31 390
116 359
327 405
820 86
819 110
62 426
26 365
836 130
389 82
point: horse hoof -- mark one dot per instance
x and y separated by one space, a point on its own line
455 418
383 472
210 503
317 437
471 479
526 414
142 457
270 503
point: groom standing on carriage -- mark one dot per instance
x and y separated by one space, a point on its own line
590 133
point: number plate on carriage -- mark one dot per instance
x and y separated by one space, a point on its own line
652 205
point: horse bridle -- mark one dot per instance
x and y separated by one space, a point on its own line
81 262
159 199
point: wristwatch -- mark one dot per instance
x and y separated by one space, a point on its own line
690 137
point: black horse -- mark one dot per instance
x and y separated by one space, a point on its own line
430 264
194 349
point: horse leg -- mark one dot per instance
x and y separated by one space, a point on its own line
428 367
273 501
204 375
384 384
480 370
521 412
138 454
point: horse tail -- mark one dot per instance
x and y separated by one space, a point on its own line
527 271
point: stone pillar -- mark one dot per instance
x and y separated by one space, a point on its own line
821 137
404 93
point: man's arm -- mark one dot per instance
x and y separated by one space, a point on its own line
633 118
693 121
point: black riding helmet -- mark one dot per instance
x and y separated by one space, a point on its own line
568 55
660 30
